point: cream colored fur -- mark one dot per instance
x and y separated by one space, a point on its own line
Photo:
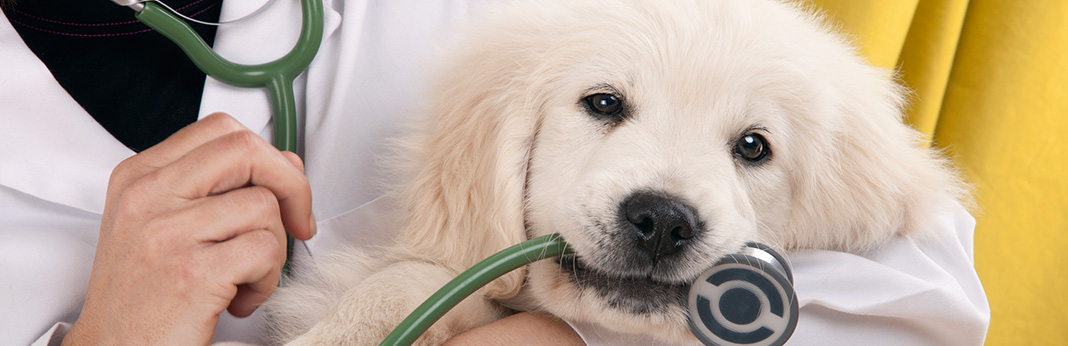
508 152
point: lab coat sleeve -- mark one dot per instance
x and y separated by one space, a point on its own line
54 336
905 292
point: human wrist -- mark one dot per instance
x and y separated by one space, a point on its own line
73 339
81 334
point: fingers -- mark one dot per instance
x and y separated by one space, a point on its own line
224 216
299 164
166 152
241 159
294 159
246 301
252 261
236 240
189 137
200 217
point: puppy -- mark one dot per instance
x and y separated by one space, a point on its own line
656 137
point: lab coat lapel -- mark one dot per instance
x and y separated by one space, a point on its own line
263 38
331 74
55 151
52 148
266 37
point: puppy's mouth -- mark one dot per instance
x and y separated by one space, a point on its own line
636 295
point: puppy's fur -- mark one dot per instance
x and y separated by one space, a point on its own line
512 149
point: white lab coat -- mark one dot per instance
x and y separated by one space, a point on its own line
368 77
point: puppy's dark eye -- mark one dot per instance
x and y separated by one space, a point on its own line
752 147
604 104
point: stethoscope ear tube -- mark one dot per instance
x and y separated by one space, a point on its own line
746 298
276 76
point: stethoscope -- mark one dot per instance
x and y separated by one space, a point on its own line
275 76
746 298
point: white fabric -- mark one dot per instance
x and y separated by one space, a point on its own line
54 335
904 293
368 77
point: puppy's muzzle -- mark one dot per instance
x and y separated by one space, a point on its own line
662 224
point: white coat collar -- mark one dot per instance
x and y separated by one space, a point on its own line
263 38
54 150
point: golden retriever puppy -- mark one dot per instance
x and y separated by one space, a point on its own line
656 137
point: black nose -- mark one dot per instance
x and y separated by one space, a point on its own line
662 223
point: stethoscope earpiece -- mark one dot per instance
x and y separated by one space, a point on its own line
746 298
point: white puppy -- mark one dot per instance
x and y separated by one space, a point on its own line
656 137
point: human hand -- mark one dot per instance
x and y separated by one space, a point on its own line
524 328
191 227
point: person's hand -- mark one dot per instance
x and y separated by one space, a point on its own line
191 227
524 328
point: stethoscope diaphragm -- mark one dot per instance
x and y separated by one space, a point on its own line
746 298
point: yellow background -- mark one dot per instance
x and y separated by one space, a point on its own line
990 82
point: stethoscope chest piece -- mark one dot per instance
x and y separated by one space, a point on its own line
745 299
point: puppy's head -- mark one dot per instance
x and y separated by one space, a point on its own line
657 137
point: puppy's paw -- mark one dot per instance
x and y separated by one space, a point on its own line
366 314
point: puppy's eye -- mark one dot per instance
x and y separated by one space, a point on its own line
604 104
752 147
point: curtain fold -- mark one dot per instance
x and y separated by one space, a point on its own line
928 57
990 83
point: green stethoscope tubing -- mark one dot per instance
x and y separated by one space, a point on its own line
275 76
470 281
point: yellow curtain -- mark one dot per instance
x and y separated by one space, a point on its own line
991 86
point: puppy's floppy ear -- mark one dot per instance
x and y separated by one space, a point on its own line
464 192
869 176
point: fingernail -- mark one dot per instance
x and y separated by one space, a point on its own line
313 227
